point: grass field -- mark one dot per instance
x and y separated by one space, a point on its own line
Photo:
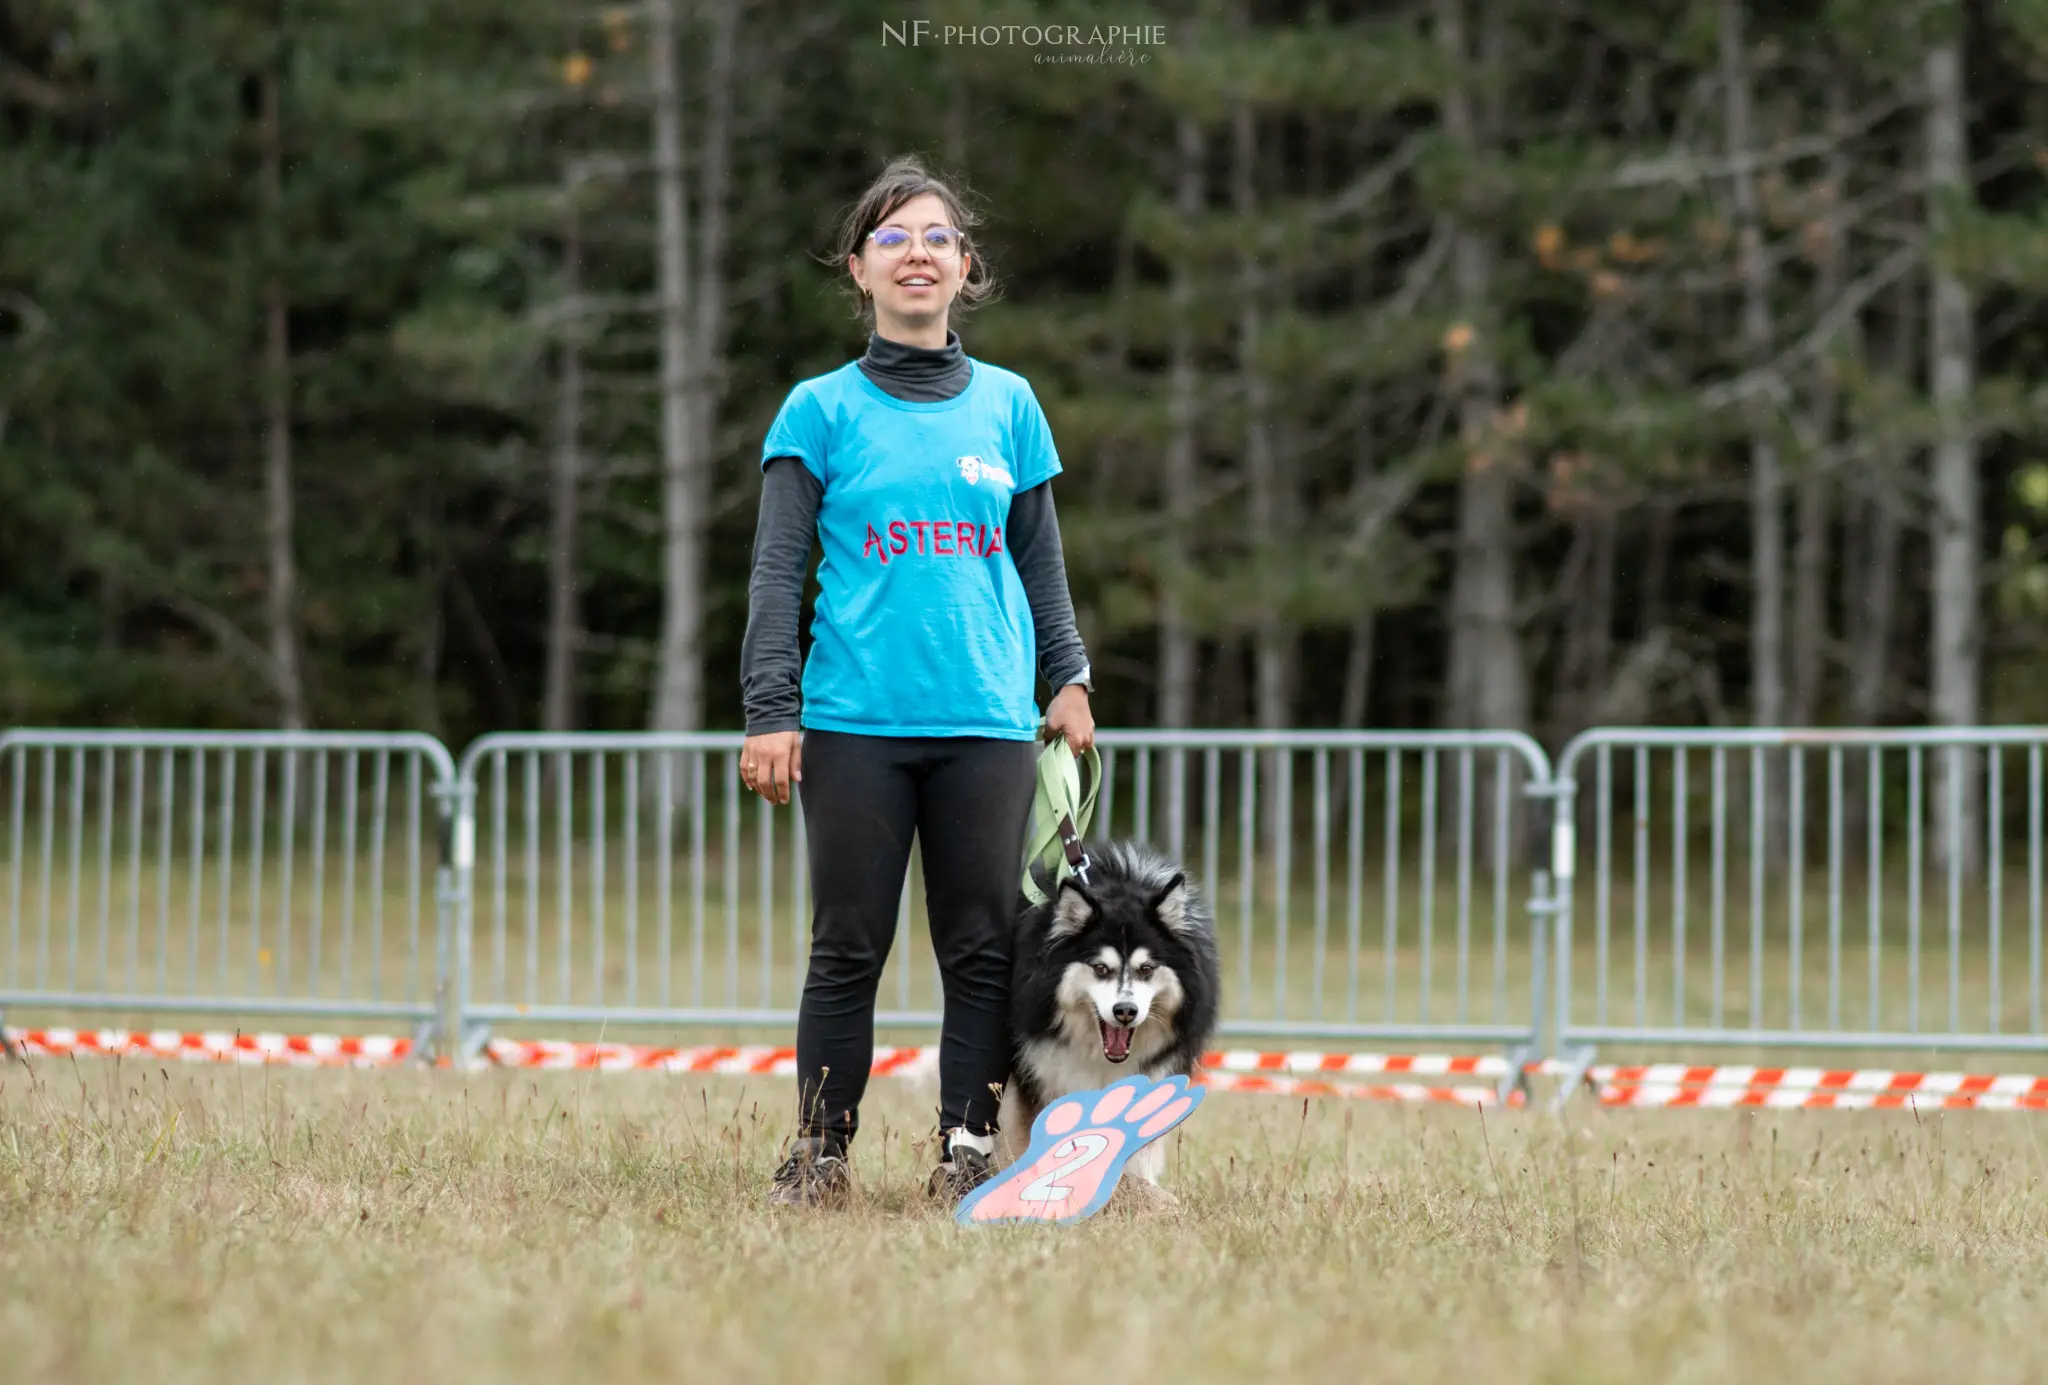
249 1225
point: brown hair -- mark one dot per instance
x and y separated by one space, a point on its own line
906 177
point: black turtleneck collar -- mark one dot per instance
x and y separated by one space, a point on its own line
917 374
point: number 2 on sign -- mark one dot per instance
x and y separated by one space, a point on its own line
1075 1154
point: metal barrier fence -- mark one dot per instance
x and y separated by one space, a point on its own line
631 878
242 873
610 878
1366 886
1779 889
1774 890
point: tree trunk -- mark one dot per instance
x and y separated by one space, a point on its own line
1809 586
430 534
1589 629
1871 580
679 679
1356 701
1357 694
1955 522
281 596
1488 679
1876 578
1854 560
714 191
1272 641
565 624
1870 657
707 346
1810 640
1268 643
1233 701
1176 634
1656 595
1767 521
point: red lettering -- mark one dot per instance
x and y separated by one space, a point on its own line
981 548
964 530
917 526
899 537
942 533
997 546
875 546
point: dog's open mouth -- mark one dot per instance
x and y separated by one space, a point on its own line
1116 1042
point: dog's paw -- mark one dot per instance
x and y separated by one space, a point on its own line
1086 1144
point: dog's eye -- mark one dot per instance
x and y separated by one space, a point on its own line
1145 972
1102 972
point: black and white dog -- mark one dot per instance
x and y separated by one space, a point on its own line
1117 975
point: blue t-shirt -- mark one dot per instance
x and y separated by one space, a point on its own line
922 627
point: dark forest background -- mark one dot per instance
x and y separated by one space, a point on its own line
1533 363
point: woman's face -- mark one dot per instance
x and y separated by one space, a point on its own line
914 290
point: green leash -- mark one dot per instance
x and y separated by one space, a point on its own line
1060 813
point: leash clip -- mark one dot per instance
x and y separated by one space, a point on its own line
1070 843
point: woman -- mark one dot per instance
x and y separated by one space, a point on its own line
927 476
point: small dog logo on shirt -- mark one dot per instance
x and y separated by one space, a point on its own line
972 469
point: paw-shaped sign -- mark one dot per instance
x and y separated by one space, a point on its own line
1079 1146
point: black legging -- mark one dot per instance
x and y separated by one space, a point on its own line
969 799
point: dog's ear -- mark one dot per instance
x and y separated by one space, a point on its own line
1071 911
1170 905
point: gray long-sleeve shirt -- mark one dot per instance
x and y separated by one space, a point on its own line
770 661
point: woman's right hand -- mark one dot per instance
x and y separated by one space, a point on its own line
770 764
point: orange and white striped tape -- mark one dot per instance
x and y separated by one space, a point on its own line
743 1060
1232 1071
1805 1099
1290 1074
1847 1089
1279 1074
543 1053
303 1050
1824 1079
1315 1087
1303 1073
1357 1064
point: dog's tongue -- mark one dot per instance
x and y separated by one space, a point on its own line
1116 1043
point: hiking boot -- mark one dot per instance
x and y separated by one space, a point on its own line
965 1169
814 1175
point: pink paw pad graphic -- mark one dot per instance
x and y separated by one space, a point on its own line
1079 1147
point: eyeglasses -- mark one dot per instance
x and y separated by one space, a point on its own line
893 242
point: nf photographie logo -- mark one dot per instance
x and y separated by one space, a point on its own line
1048 43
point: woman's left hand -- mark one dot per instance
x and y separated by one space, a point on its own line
1070 716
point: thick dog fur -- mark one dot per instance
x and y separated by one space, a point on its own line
1130 958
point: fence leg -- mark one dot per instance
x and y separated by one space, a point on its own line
1516 1078
1578 1063
7 1045
451 896
426 1036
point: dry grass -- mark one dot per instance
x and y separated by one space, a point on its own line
223 1225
